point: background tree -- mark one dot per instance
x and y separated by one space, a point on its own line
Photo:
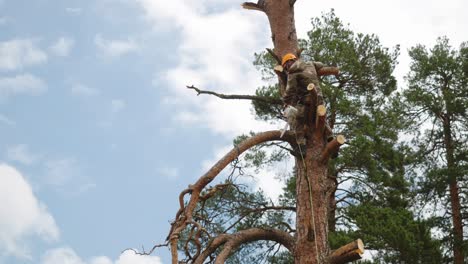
437 98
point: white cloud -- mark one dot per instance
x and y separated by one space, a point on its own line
83 90
211 57
61 256
215 49
188 118
170 173
129 257
21 84
115 48
101 260
21 154
419 22
21 214
67 255
73 10
214 58
6 120
18 53
62 47
117 105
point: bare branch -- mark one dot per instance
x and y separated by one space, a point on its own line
185 218
144 252
233 241
264 99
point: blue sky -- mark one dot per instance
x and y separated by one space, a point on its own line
98 133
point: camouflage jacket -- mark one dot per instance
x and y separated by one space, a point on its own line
299 76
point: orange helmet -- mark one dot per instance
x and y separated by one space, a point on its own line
287 57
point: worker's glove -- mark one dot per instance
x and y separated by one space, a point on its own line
290 113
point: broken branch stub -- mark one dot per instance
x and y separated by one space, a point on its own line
332 147
350 252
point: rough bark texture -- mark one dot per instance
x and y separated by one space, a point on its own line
312 211
454 194
312 188
280 15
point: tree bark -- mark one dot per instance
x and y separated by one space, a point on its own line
454 194
311 183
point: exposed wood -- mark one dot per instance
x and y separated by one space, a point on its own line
320 119
264 99
332 147
347 253
278 68
310 107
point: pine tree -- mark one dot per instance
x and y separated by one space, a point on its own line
437 99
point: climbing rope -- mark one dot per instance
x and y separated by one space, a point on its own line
310 197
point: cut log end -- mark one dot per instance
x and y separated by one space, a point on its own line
360 246
347 253
321 110
310 87
278 68
320 119
341 140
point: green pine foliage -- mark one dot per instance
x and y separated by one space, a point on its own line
437 100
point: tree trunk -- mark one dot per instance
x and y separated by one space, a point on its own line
280 15
312 208
312 221
454 194
313 188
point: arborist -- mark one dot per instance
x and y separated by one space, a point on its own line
300 75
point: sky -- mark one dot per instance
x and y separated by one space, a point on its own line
98 134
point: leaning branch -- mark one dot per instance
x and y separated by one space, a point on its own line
232 242
185 214
264 99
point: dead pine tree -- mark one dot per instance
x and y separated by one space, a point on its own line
308 241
